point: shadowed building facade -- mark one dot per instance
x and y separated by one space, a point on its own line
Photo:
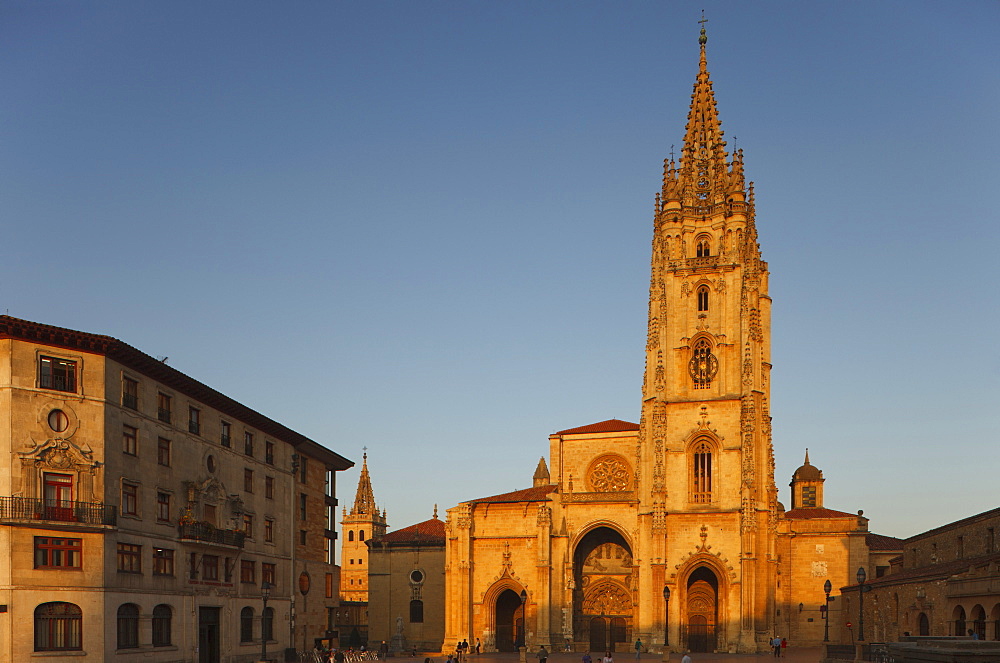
147 516
668 530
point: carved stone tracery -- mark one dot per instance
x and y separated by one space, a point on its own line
609 473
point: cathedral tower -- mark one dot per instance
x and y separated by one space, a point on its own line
364 522
707 467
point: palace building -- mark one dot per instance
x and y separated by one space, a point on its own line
669 530
145 515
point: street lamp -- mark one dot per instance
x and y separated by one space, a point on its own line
861 603
524 617
827 586
265 594
666 616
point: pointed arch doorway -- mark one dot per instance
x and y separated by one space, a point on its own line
603 600
509 615
702 610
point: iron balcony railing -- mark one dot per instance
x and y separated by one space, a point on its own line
130 401
64 511
206 533
163 415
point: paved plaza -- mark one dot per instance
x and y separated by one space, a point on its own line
791 655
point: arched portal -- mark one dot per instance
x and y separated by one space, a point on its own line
702 608
923 624
509 621
604 584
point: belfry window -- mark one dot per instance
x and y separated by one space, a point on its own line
701 479
703 365
703 298
703 250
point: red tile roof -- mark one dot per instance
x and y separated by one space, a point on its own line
817 512
609 426
940 570
882 543
534 494
428 532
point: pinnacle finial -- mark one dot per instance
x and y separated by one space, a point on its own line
435 511
703 38
807 456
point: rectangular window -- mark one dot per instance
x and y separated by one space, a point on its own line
208 513
224 438
210 568
163 407
248 525
329 585
302 469
248 571
163 507
194 420
193 566
302 506
269 487
248 480
163 562
163 451
58 553
248 444
267 573
57 374
129 558
130 499
130 440
269 452
302 537
268 530
130 393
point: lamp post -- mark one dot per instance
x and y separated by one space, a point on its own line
524 618
827 586
265 594
666 617
861 603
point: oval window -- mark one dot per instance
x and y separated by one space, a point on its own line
58 421
416 576
210 462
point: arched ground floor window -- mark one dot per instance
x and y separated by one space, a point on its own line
58 626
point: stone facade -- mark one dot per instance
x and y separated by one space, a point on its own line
406 592
946 582
669 530
144 511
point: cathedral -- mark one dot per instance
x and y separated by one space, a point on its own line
669 531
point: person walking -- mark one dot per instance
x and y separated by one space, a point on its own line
383 650
686 658
587 658
638 648
542 654
478 646
607 658
776 644
784 646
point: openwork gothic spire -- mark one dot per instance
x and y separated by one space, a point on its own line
364 499
705 177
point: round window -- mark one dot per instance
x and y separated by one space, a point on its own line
210 462
58 421
416 576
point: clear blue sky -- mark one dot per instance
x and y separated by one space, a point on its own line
424 227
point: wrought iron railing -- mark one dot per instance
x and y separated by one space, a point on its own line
163 415
130 401
64 511
206 533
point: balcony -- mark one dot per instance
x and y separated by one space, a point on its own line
163 415
130 401
208 534
57 514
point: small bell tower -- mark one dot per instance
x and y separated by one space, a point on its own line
363 523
